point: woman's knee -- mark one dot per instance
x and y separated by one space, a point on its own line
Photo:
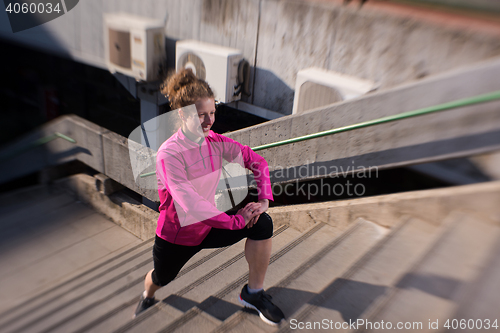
161 279
263 228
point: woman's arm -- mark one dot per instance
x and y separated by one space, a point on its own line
252 161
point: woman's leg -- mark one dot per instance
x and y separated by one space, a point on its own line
257 247
257 253
168 260
149 285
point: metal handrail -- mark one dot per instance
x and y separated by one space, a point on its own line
419 112
35 144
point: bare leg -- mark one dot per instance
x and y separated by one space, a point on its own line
149 286
257 254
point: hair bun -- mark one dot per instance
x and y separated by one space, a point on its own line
184 78
183 88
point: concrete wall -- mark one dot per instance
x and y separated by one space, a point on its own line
280 37
367 43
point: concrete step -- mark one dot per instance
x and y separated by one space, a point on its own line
482 297
355 294
15 199
69 237
47 245
295 277
79 284
108 305
106 315
48 228
323 272
433 289
182 295
95 293
224 303
28 215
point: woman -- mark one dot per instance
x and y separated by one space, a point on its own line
188 169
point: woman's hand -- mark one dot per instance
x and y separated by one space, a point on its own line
264 205
249 212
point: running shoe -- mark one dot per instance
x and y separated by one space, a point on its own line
144 304
261 302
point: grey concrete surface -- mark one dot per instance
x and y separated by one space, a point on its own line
417 244
106 185
118 166
80 283
368 43
367 286
49 240
386 44
432 290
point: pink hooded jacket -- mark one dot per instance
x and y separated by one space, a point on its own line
188 174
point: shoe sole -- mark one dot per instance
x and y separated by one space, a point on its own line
264 319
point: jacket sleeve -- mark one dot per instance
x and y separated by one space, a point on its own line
252 161
190 206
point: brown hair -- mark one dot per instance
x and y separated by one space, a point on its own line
184 88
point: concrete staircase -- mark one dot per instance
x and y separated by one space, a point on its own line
411 269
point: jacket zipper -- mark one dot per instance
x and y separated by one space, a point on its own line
202 158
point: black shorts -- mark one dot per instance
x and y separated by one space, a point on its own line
170 258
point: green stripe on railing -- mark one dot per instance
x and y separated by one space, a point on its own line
420 112
148 174
441 107
36 143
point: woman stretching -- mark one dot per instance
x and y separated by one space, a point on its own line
188 170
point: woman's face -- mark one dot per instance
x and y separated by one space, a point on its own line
199 124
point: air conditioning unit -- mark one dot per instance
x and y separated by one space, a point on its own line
134 45
316 87
215 64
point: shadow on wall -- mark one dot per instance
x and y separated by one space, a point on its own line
170 45
271 92
32 94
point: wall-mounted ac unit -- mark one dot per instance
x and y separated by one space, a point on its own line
215 64
316 87
134 46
